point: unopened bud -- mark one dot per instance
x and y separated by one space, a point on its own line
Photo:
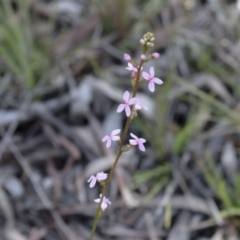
143 57
147 41
142 41
155 55
127 57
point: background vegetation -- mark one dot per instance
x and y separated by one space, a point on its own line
62 75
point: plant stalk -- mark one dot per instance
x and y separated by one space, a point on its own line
119 153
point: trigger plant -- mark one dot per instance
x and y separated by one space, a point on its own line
130 105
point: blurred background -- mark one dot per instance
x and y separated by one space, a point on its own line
62 76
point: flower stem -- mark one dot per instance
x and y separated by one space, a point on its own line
119 153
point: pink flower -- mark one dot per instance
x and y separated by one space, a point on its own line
127 57
137 141
139 105
112 137
155 55
151 79
126 104
101 176
143 57
132 68
105 202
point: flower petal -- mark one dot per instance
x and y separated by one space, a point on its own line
141 147
115 138
135 69
130 66
134 136
90 179
103 206
152 72
127 110
120 108
133 101
142 140
93 182
105 138
97 200
133 142
146 76
108 143
115 132
101 176
158 81
126 96
151 86
138 106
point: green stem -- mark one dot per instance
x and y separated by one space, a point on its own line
119 153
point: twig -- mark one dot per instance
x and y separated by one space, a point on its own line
13 126
150 226
25 113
